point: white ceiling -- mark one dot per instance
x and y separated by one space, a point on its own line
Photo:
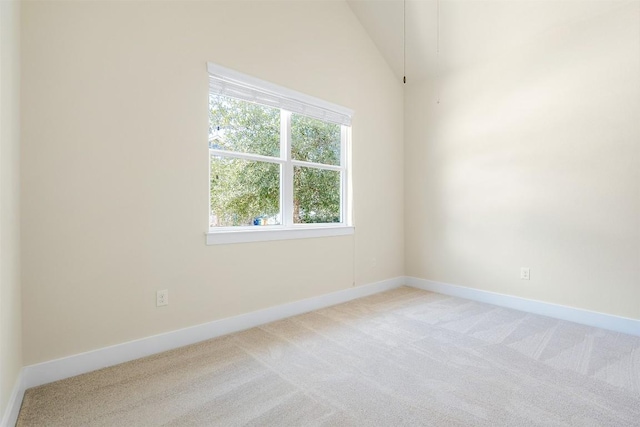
470 30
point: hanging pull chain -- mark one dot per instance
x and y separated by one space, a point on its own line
438 84
404 41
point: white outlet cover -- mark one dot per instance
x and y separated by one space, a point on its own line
162 298
524 273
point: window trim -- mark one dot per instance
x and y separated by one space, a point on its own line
276 232
287 230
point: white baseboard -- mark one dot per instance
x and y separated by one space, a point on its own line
54 370
12 410
585 317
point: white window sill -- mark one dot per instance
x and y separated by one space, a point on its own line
260 234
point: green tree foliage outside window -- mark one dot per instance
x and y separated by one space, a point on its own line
246 192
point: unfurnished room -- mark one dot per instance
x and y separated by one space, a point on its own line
319 213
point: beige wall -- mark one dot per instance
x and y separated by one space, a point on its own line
532 159
115 165
10 306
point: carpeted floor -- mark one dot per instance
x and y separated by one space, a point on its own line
403 357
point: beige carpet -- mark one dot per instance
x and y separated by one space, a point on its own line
403 357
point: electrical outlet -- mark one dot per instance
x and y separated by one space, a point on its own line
524 273
162 298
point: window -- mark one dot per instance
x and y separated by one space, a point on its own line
278 162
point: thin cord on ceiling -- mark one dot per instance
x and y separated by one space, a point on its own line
438 50
404 41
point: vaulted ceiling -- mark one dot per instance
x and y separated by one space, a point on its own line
470 30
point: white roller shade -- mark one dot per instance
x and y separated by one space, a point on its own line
227 82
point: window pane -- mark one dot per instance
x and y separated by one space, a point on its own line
316 195
244 193
244 127
315 141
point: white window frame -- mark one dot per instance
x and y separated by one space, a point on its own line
298 103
